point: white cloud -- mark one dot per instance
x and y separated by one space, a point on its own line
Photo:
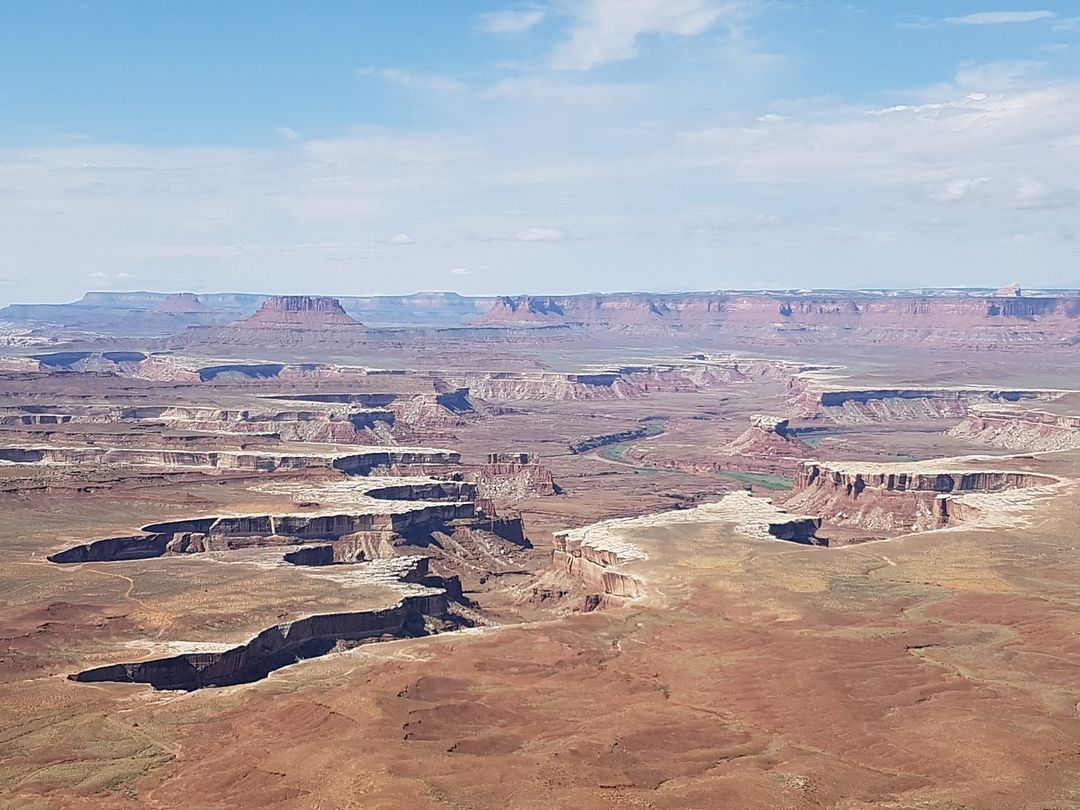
541 235
961 188
288 133
459 271
1030 193
1028 130
1001 17
400 239
606 31
510 21
431 82
110 278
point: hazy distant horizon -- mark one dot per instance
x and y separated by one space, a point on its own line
726 290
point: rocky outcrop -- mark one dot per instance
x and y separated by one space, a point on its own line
513 476
588 443
358 519
1028 430
230 532
768 437
342 424
283 320
352 463
1010 291
277 647
897 498
867 406
605 561
618 382
299 312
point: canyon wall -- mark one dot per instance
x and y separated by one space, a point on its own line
275 647
967 317
895 498
1030 430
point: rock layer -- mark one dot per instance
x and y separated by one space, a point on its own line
275 647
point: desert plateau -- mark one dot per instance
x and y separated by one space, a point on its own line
731 549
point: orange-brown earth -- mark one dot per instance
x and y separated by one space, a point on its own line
934 669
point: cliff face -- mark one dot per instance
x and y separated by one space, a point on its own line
894 498
299 312
513 479
863 315
1021 430
275 647
768 437
867 406
359 463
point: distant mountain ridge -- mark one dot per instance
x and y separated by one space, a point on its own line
975 316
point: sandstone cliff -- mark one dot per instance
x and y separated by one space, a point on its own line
975 318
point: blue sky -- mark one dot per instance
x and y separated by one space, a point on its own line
560 146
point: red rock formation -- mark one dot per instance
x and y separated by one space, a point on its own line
1021 430
300 312
970 318
896 498
514 476
769 437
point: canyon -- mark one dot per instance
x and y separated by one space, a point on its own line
749 549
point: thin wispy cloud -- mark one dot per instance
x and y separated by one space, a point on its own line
541 235
605 31
1001 17
433 82
510 21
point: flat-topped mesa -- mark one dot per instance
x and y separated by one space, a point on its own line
973 317
182 303
355 519
524 309
869 405
899 498
300 312
855 478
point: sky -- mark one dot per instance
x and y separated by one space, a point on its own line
363 147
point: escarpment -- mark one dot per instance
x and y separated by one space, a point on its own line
867 406
375 517
611 558
1030 430
973 318
353 463
897 499
279 646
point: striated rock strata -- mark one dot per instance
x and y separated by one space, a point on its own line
1028 430
598 555
898 498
